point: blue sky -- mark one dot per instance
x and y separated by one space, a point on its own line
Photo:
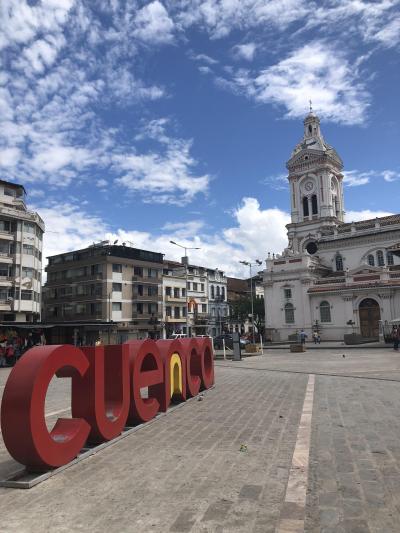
151 121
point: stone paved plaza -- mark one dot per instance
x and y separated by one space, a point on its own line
186 471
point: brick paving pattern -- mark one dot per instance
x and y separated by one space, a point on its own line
186 473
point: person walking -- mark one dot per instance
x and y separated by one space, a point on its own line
395 337
315 337
303 336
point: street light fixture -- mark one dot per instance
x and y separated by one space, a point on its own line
186 280
250 265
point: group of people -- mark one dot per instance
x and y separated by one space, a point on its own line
303 337
14 344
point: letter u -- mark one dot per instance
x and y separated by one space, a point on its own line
102 396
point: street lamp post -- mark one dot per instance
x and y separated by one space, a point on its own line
250 265
186 280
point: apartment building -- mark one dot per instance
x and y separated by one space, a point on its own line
21 238
217 302
111 292
174 294
204 295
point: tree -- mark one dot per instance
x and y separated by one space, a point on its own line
241 309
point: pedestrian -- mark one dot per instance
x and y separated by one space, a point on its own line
315 337
303 336
395 338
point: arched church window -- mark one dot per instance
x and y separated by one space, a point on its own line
371 260
305 207
339 263
390 258
380 259
289 313
314 204
309 128
325 311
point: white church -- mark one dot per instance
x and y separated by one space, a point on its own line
335 277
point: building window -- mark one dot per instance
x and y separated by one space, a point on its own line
314 204
218 291
325 311
212 292
204 308
26 295
177 312
116 267
28 249
28 272
188 285
168 310
138 271
287 293
305 207
289 314
194 286
202 287
339 263
390 258
152 290
176 292
117 287
183 293
117 306
380 259
371 260
29 227
223 293
168 291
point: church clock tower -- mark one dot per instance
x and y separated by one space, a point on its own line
316 188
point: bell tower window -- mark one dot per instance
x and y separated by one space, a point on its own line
314 204
305 206
339 263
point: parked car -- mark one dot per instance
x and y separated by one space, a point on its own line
218 341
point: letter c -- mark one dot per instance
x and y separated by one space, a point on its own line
23 420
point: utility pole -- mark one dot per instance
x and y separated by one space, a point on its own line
250 265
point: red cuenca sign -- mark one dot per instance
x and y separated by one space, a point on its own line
106 393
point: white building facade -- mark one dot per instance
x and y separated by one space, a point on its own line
334 277
21 238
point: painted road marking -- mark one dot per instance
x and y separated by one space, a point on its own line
293 510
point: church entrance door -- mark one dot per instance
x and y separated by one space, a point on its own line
370 315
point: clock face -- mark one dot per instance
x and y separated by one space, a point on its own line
309 186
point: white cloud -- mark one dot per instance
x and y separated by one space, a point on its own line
9 157
101 183
204 58
365 214
315 71
245 51
21 22
162 177
153 24
221 17
68 227
253 233
354 178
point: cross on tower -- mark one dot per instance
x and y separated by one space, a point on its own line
310 106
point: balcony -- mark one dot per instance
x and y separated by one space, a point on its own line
146 279
180 319
171 298
146 298
145 316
